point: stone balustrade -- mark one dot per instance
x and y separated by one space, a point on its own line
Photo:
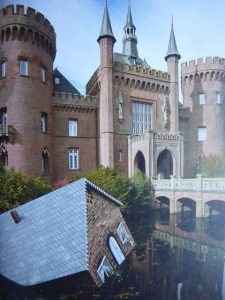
194 184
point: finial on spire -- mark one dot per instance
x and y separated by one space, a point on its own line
172 48
106 29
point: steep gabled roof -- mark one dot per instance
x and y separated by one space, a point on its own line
50 241
64 86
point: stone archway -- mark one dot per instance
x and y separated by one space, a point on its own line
164 165
139 162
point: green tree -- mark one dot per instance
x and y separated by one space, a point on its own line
17 189
211 166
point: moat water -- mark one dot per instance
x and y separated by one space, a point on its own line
183 258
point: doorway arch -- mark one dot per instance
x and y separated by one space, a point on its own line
139 162
164 165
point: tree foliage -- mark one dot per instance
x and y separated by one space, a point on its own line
16 189
211 166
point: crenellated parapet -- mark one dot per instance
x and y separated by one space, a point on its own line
142 78
18 23
210 68
69 101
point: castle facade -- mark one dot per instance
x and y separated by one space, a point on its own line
130 119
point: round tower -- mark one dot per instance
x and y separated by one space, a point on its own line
27 52
203 88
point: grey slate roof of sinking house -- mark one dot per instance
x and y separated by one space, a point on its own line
50 241
64 86
126 59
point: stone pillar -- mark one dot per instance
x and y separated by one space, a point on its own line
199 208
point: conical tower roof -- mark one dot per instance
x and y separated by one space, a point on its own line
129 18
106 29
172 48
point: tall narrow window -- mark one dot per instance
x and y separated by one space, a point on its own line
3 116
43 122
73 159
218 98
141 117
23 67
45 161
72 127
120 156
43 74
104 269
201 99
3 69
202 134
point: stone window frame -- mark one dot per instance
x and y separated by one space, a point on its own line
202 133
102 270
74 158
123 234
202 98
45 166
44 122
142 118
43 74
72 130
3 68
23 66
120 155
218 98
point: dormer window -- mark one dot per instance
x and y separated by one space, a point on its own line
57 80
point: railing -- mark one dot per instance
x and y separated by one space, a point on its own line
196 184
7 131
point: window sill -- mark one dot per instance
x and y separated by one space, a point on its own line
44 82
74 170
44 132
2 77
24 75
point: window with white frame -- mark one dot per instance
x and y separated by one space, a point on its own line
73 159
202 134
120 156
141 117
44 122
72 127
123 234
43 74
3 69
57 80
201 98
104 269
218 98
23 67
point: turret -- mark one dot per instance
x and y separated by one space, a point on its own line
172 58
130 39
106 41
27 52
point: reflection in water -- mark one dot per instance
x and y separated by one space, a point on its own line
182 259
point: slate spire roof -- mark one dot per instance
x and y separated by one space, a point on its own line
106 29
130 22
172 48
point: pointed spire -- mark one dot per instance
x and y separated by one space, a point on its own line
130 39
106 29
129 18
172 48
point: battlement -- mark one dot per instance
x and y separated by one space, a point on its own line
201 64
25 16
70 98
148 72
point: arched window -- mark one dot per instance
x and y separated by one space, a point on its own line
45 161
139 162
116 251
164 165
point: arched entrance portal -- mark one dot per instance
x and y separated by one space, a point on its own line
139 162
164 165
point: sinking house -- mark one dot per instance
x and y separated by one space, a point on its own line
75 230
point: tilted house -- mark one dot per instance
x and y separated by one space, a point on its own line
77 229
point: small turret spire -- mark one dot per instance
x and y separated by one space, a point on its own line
172 48
106 29
130 39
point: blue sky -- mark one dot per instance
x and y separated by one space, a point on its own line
199 30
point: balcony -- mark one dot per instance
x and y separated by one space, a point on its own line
7 133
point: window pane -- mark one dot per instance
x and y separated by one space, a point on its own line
201 99
57 80
3 69
218 98
202 134
23 67
72 128
141 117
73 159
43 74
